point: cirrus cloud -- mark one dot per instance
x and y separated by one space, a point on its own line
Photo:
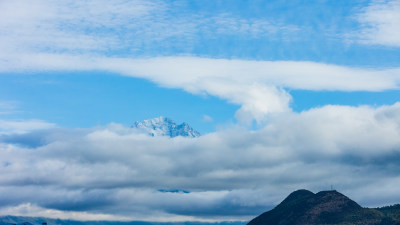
381 23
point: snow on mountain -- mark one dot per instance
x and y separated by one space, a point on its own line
163 126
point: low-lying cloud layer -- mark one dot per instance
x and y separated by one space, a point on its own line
233 173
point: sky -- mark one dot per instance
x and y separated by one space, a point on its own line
286 94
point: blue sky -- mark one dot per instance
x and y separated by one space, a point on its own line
88 99
282 86
77 99
318 31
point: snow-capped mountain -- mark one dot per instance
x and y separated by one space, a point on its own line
163 126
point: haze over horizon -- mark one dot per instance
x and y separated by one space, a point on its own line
286 95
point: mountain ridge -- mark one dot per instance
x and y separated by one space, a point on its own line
303 207
163 126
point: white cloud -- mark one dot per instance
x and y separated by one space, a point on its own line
255 28
70 35
257 86
103 27
31 210
381 22
207 118
114 172
23 126
67 35
230 174
8 107
56 26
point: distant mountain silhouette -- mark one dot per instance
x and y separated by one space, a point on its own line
25 223
303 207
19 220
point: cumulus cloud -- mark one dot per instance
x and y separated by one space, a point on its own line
229 174
381 23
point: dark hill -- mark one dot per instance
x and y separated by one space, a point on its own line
303 207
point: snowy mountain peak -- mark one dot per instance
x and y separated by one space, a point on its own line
163 126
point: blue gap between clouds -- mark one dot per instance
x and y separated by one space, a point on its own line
86 99
303 100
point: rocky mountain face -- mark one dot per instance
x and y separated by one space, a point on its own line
163 126
303 207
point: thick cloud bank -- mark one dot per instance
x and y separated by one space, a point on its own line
118 173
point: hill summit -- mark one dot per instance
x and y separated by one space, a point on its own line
303 207
163 126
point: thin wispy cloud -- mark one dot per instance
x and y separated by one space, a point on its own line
49 26
381 23
23 126
8 107
86 27
207 118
